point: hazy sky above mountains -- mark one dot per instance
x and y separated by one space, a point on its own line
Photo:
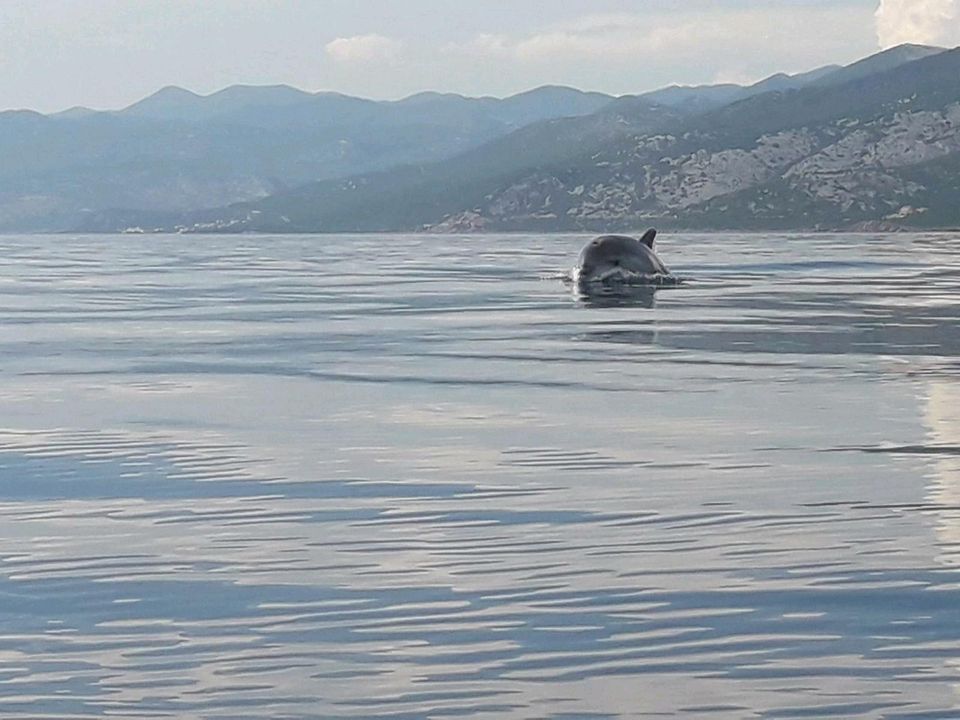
107 54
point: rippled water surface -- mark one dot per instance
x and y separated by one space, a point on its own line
418 477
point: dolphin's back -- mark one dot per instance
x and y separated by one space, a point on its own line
630 253
621 258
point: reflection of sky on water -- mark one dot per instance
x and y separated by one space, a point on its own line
302 477
942 419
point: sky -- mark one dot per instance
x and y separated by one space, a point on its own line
107 54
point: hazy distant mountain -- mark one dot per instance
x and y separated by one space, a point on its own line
696 98
782 81
702 98
177 150
74 113
284 105
878 63
880 147
175 103
404 197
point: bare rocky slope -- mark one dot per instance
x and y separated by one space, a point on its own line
883 150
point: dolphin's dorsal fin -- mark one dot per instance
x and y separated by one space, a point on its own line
648 237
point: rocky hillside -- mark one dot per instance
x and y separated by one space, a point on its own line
876 151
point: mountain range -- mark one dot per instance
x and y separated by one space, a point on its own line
178 151
875 144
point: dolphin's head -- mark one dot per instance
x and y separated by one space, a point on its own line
618 258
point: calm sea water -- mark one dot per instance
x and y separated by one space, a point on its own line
418 477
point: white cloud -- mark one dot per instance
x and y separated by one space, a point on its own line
630 39
917 21
364 49
707 36
689 43
483 45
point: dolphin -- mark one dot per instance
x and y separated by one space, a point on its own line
619 259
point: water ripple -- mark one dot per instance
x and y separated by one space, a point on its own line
408 477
